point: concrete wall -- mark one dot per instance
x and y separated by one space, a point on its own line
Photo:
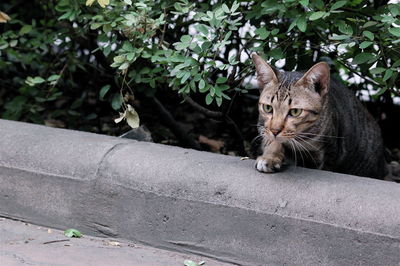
195 201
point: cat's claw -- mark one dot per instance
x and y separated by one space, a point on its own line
268 165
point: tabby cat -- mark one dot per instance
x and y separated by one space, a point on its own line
316 121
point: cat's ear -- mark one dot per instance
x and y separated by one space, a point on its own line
265 73
317 77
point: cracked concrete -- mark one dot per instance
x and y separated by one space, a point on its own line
194 201
28 244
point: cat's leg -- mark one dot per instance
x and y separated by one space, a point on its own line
271 159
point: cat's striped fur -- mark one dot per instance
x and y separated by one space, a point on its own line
333 131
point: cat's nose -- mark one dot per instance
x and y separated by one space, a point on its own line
276 131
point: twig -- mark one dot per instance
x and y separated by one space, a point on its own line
175 128
231 103
225 117
55 241
356 73
163 31
238 133
207 112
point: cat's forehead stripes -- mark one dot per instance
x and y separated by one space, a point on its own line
283 91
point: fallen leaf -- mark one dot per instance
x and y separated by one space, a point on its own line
192 263
244 158
4 17
215 145
72 233
282 203
49 231
114 243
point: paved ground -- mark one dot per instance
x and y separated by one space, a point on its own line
27 244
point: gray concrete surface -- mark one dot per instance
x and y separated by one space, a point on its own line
194 201
28 244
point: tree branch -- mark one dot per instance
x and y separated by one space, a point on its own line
207 112
175 128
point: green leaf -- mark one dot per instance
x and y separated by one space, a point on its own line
395 31
119 59
380 92
202 84
394 9
189 263
72 233
292 25
362 58
388 74
104 91
209 99
263 33
304 3
185 77
218 100
377 70
317 15
302 24
229 98
123 66
339 37
365 44
186 39
53 77
338 5
94 26
396 64
225 8
275 31
202 28
116 101
221 80
368 34
345 28
38 80
212 91
181 46
13 43
127 46
25 29
369 24
276 53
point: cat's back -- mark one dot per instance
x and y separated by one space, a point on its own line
360 145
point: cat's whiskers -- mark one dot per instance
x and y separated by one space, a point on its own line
310 138
306 150
299 148
320 135
294 150
307 142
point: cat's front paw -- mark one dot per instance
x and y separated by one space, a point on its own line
268 164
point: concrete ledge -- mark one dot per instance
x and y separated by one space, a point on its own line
194 201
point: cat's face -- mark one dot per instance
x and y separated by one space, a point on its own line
290 103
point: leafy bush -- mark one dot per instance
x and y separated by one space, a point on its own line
58 57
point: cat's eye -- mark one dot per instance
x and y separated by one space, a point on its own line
267 108
295 112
